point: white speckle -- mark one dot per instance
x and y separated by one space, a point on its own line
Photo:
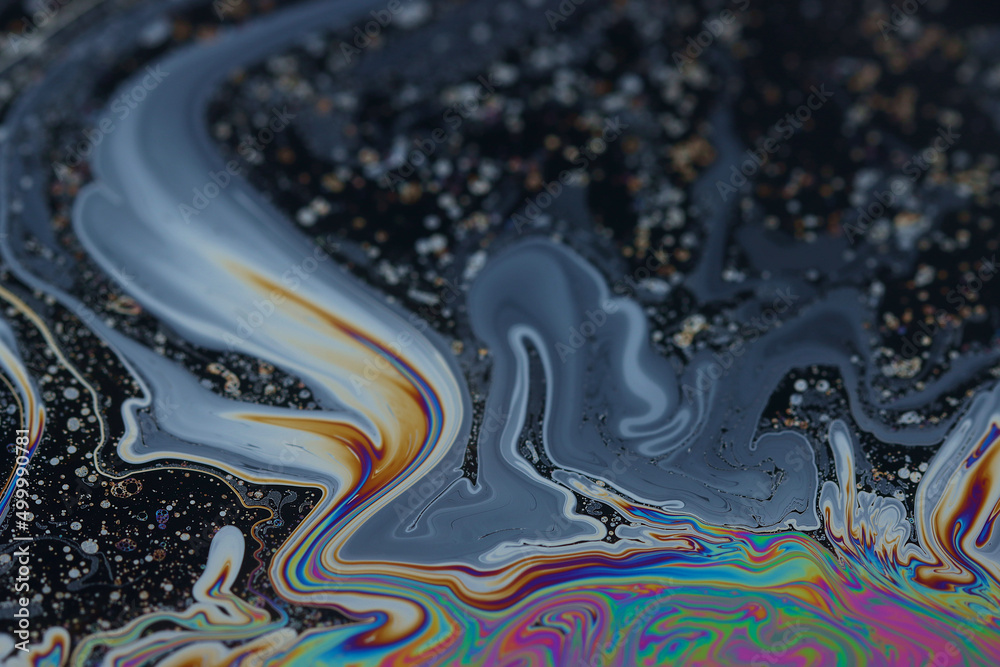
925 276
410 16
442 169
531 449
434 243
475 264
904 473
505 74
71 393
631 84
89 547
155 33
655 286
801 385
423 297
389 272
306 217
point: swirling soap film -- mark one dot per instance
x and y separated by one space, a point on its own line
485 488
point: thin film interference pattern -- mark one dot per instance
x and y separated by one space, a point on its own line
436 333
